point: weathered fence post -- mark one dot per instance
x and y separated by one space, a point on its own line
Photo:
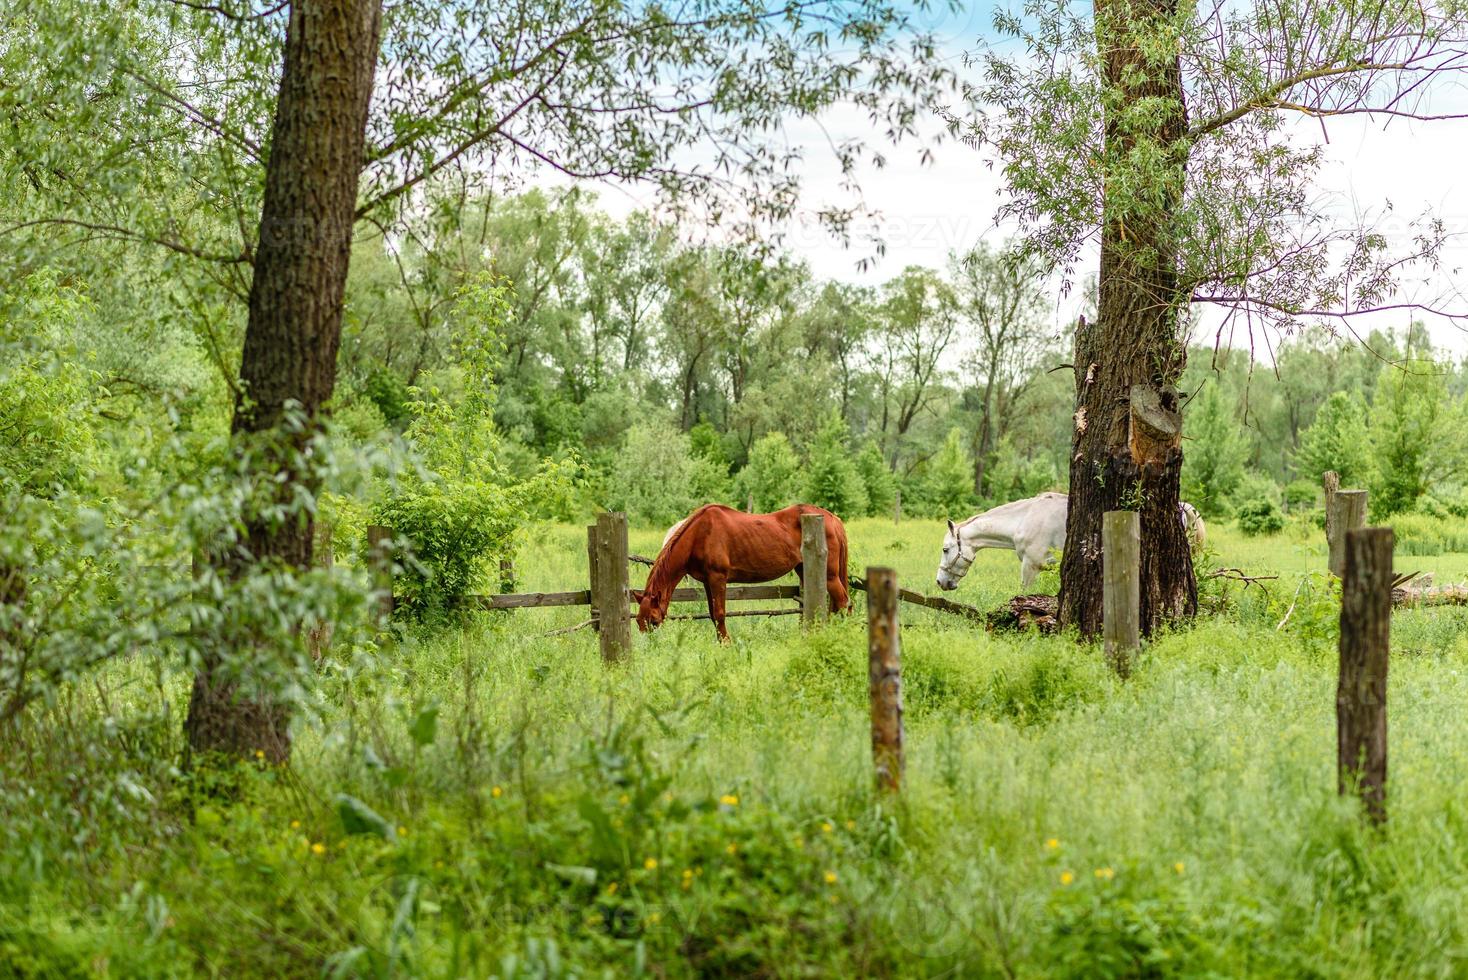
814 604
749 506
1331 480
1360 700
897 508
1121 595
884 671
609 589
507 576
379 567
1346 512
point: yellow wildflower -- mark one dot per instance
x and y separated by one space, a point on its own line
612 888
650 864
729 799
1066 877
851 825
830 877
295 825
1105 873
259 753
1052 843
402 831
655 917
318 848
624 799
688 872
732 847
1178 867
495 792
826 827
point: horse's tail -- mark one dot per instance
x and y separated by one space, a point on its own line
845 578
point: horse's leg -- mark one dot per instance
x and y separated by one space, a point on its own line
1027 572
836 589
714 588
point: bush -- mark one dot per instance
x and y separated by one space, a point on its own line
772 474
877 480
1260 515
1301 495
1015 477
833 481
656 478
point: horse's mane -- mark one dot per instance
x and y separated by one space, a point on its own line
663 578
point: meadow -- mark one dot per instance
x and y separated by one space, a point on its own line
488 800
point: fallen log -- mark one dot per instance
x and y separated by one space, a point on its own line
1446 595
1025 612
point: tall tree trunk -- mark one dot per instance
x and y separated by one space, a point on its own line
1127 442
294 327
985 435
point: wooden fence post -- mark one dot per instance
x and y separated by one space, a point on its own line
814 603
609 591
1331 480
884 671
1121 596
897 508
1346 513
749 507
507 576
379 566
1360 700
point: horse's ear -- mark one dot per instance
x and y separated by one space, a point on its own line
636 594
952 528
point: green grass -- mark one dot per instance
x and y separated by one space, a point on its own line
1055 820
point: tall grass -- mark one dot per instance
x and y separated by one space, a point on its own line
707 809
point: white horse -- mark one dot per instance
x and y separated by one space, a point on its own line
1031 528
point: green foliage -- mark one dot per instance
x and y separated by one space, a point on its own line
772 474
1407 411
704 441
1337 440
946 483
833 480
1214 455
1013 476
458 509
877 481
1259 514
657 478
391 396
47 440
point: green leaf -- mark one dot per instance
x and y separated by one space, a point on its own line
425 727
359 818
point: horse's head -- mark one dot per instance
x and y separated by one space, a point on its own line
650 612
956 559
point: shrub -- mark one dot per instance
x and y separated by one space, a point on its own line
832 479
772 474
656 478
946 486
1260 515
877 480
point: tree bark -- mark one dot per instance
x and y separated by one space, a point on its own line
1127 437
294 326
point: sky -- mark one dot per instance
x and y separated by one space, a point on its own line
925 210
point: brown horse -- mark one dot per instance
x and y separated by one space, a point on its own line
717 545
